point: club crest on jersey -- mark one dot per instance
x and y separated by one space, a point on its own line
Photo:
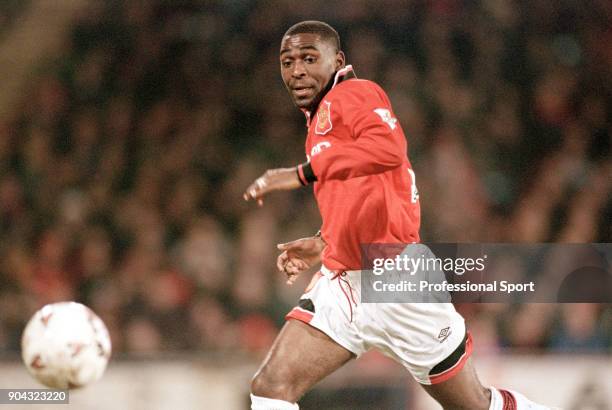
324 124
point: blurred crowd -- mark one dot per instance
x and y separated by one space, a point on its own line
10 11
122 170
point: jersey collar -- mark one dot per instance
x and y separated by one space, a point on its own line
338 78
340 74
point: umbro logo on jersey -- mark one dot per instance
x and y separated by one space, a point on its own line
444 334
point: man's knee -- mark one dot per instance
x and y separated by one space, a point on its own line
274 385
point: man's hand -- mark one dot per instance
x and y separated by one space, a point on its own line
299 256
280 179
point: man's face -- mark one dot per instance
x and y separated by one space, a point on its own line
307 65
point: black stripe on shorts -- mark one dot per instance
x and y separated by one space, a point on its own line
451 360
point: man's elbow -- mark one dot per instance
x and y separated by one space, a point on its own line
394 159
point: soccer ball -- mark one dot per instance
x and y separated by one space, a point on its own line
65 345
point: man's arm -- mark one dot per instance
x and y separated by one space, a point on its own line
280 179
374 152
378 146
377 149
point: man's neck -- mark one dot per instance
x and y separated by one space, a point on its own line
339 76
313 108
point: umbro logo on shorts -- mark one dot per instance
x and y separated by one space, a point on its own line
444 334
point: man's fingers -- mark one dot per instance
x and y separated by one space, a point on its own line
289 270
256 190
290 245
252 193
291 278
292 269
281 261
295 266
290 265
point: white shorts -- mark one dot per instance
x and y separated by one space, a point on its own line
429 339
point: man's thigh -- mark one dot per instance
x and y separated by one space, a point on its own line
300 357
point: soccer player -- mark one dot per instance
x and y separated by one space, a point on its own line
366 193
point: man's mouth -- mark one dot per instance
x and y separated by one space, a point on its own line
302 91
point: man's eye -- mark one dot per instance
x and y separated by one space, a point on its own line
286 64
310 60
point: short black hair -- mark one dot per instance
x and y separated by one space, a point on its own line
326 31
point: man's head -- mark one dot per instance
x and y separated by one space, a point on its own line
309 56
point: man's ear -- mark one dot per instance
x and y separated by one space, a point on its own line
340 60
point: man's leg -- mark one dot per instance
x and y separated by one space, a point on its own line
300 357
462 391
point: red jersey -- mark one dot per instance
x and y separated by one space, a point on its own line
365 186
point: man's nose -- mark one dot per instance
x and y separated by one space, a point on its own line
299 69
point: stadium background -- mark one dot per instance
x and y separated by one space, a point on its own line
129 130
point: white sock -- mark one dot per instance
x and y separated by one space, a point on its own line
263 403
509 399
497 401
